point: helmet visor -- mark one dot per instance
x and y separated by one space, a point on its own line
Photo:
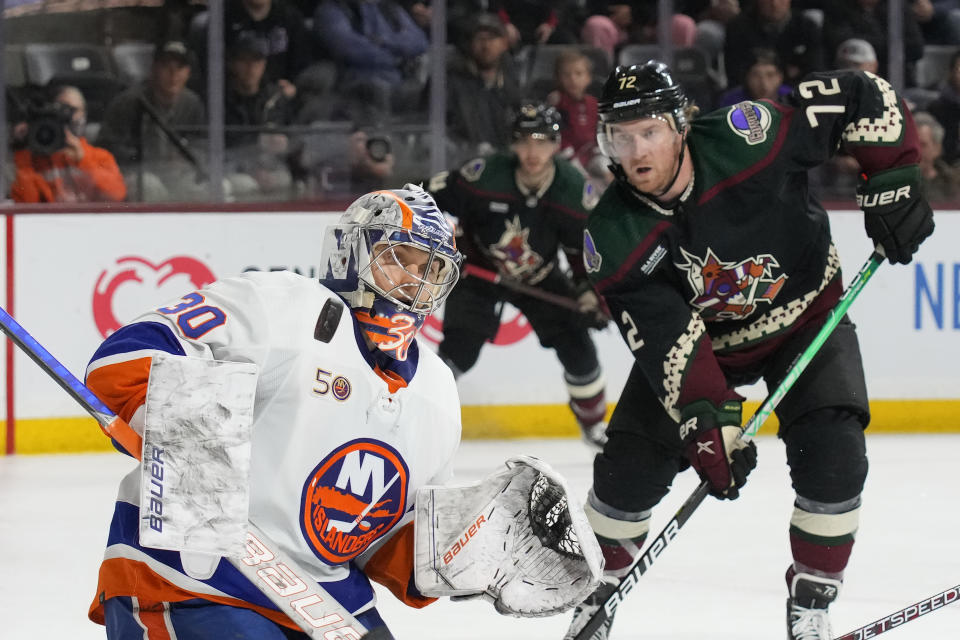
623 140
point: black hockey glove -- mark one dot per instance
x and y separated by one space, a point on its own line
896 214
715 450
595 312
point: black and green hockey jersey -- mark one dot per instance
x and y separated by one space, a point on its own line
514 233
745 257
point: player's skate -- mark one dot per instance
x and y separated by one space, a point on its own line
807 617
595 435
585 610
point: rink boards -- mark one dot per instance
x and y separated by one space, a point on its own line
77 277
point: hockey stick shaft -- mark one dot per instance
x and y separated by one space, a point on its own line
905 615
287 585
519 287
670 532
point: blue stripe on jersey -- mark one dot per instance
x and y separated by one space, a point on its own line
137 336
352 592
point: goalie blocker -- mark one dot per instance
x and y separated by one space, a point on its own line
514 538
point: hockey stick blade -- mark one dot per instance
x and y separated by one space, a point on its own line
670 532
905 615
266 566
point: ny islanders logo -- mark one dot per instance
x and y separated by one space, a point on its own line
354 496
731 290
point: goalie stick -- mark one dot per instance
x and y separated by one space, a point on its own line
669 533
288 586
905 615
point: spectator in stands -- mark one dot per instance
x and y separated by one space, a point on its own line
941 182
712 18
140 129
257 160
532 22
281 27
483 91
763 80
377 47
867 20
939 20
946 109
371 161
614 24
421 11
774 24
76 171
578 111
857 54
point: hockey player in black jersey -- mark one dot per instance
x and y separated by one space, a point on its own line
718 266
516 211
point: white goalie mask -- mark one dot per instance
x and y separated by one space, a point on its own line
393 257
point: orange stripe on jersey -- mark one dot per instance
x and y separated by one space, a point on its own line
404 207
125 577
152 618
392 566
122 386
393 379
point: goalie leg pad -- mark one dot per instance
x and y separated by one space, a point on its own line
515 537
194 480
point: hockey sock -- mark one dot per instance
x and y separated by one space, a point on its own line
587 398
822 535
621 535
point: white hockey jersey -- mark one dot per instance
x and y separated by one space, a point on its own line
337 432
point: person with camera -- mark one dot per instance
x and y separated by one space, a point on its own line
56 163
516 211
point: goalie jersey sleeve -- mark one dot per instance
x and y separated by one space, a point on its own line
702 293
341 441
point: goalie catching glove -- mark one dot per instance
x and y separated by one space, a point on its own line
514 538
716 451
897 216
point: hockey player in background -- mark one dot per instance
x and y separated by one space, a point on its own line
516 210
350 419
718 265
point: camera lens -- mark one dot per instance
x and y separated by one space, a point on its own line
378 147
45 136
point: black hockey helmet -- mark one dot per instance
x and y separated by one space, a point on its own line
537 120
643 91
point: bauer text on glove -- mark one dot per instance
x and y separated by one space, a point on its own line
896 215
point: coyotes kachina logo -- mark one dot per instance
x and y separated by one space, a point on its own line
354 496
514 252
731 290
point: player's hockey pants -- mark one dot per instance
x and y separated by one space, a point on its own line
822 420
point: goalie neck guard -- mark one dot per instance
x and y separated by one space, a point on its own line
393 258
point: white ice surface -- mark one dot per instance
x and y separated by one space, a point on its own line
722 578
